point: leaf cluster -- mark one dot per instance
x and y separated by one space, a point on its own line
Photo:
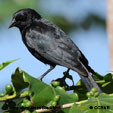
29 94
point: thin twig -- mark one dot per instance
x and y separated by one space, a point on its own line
59 107
9 97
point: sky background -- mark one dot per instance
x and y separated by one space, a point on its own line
92 42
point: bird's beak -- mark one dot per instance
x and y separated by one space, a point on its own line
13 23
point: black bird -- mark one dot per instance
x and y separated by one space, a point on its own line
49 44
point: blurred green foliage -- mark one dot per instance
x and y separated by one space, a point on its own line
8 7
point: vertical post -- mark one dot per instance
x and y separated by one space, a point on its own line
110 30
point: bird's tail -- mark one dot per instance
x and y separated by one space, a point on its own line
90 83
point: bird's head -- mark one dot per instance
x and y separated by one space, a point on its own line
24 17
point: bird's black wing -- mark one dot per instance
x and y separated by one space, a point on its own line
52 44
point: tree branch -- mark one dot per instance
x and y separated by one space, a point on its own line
59 107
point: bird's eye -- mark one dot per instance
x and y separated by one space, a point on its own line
21 18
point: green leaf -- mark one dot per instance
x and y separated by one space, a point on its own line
108 77
98 77
4 64
41 94
107 87
18 81
107 83
1 104
65 97
91 105
81 90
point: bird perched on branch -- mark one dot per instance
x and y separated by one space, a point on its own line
49 44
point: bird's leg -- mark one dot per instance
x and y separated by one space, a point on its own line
42 76
62 80
66 76
66 73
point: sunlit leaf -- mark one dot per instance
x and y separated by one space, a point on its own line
4 64
102 104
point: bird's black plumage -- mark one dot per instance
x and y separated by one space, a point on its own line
50 44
